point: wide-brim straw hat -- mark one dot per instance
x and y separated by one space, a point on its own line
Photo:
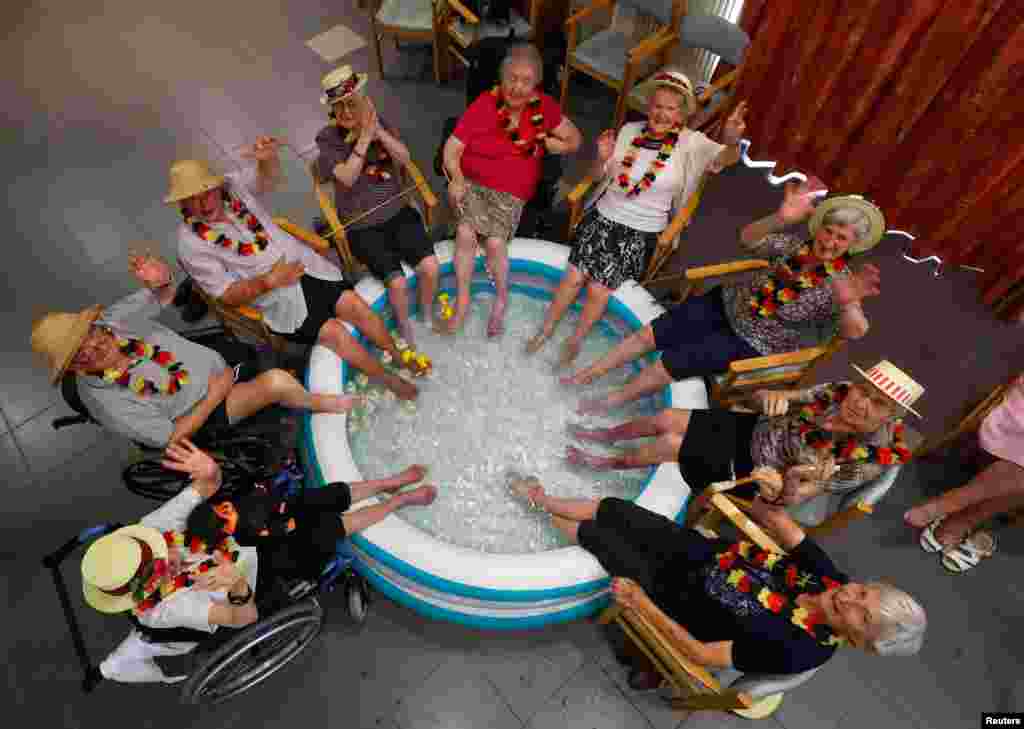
191 177
675 80
112 561
58 337
872 211
341 83
893 382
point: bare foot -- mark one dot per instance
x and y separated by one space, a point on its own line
419 496
583 377
410 475
496 324
529 489
595 435
570 351
403 389
341 403
593 407
922 515
536 342
949 537
580 458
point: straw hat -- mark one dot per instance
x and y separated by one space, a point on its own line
340 84
112 561
671 80
59 336
895 383
191 177
872 211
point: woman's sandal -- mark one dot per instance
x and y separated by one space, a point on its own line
969 552
928 541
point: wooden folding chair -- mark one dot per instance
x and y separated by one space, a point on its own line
970 422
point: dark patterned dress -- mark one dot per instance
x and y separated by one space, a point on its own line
610 252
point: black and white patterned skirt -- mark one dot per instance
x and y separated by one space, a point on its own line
610 252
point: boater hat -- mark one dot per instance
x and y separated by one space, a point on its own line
340 84
59 336
872 211
191 177
895 383
671 80
113 562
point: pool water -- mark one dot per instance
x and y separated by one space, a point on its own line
486 412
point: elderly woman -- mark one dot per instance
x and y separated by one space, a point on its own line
493 160
852 428
810 291
730 605
645 172
364 158
949 521
143 381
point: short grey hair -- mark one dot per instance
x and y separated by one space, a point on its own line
901 623
524 53
850 216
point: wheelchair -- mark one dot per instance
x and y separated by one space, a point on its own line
249 451
229 662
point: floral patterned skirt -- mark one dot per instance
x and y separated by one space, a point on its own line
610 252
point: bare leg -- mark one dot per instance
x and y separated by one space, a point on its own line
635 345
594 307
1002 478
651 379
398 295
669 420
575 509
365 489
955 528
277 387
360 519
427 272
568 527
663 450
568 289
352 309
335 336
465 259
497 262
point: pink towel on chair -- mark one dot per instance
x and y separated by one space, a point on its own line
1002 432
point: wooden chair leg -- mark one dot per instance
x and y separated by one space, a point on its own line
376 48
564 101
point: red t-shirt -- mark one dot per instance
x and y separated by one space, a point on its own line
491 158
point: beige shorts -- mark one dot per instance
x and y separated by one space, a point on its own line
490 213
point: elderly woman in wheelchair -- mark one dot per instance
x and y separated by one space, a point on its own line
811 290
142 380
729 604
363 156
645 171
828 438
192 564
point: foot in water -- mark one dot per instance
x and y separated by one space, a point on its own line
496 324
534 344
410 475
593 407
420 496
341 403
577 457
594 435
529 489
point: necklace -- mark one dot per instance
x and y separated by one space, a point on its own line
784 286
849 448
529 143
177 376
152 586
235 205
664 144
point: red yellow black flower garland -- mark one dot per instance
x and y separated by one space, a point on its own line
529 143
151 587
847 448
204 231
177 375
784 286
644 140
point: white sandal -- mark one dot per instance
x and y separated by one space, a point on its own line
928 541
969 552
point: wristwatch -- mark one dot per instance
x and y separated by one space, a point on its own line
243 599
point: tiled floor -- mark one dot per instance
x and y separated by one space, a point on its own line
108 95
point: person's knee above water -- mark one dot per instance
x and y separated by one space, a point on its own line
493 161
729 604
169 579
809 294
366 160
229 244
857 426
650 169
139 379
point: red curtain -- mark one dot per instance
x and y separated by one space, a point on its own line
917 105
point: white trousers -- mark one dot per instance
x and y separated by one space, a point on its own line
132 661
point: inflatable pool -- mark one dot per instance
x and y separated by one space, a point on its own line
448 582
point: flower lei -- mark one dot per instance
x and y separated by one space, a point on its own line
530 143
375 170
204 231
664 144
151 587
784 286
783 604
849 448
140 385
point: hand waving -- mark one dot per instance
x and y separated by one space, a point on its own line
263 149
865 282
184 457
798 200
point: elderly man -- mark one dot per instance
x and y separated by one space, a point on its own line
833 437
229 244
493 160
141 380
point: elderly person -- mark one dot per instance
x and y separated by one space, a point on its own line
651 168
725 604
169 581
493 160
949 521
230 245
810 291
856 426
364 158
141 380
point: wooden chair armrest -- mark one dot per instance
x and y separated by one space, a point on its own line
726 80
800 356
311 239
683 217
721 269
744 523
648 631
577 193
429 198
653 45
468 15
249 312
586 12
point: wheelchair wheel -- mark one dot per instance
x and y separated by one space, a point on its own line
255 654
152 481
248 453
357 597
